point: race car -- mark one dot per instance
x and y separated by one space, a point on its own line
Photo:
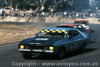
76 26
83 22
53 41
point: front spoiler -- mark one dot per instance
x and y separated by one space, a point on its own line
36 50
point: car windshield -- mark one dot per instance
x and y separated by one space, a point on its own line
64 27
51 34
81 22
79 27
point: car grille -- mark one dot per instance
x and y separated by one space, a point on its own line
36 47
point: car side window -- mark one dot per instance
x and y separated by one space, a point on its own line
70 34
73 33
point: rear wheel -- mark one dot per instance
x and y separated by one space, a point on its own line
27 56
83 49
90 40
61 53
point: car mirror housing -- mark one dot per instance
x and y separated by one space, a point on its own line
36 35
67 37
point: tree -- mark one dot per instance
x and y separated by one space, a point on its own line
98 5
79 5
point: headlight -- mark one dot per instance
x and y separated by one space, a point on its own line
21 46
51 48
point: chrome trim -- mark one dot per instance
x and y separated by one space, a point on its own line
24 50
38 50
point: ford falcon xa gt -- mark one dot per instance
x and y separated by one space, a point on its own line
54 41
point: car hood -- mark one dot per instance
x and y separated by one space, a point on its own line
45 41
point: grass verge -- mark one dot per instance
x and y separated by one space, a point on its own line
15 33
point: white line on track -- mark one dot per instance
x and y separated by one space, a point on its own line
8 45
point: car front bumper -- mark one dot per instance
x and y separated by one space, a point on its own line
36 50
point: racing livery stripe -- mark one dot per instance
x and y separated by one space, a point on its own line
54 31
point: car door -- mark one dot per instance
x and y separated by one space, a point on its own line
74 39
71 41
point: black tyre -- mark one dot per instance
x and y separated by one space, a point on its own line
83 48
27 56
61 53
90 40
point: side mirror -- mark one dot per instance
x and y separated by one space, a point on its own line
67 37
36 35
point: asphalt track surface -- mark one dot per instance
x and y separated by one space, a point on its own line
11 57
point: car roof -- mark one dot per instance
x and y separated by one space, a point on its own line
69 25
59 29
85 20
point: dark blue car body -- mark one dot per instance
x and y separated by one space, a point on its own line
55 42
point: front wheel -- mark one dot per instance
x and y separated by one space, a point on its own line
27 56
61 53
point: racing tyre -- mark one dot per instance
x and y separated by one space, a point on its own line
90 40
61 53
27 56
83 49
